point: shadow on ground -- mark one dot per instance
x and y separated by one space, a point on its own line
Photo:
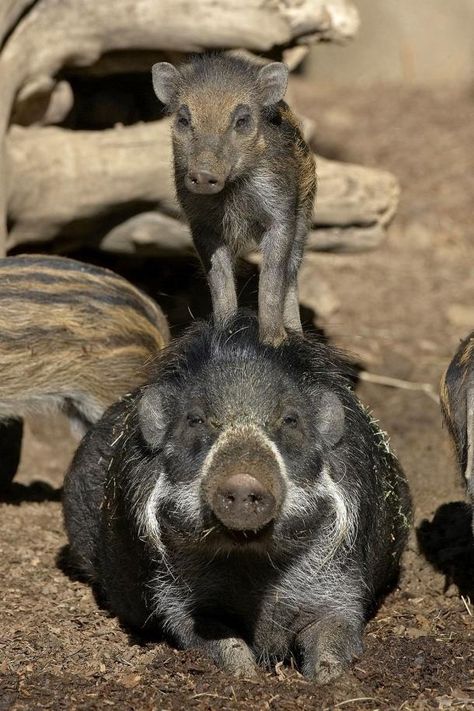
447 543
37 492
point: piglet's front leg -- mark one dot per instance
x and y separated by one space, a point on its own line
273 283
217 260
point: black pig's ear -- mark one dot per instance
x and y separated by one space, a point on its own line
272 83
166 80
330 416
151 416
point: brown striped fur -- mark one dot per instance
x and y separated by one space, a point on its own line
457 402
72 337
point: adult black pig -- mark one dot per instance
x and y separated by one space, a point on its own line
244 502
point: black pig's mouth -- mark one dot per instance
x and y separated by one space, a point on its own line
245 537
219 534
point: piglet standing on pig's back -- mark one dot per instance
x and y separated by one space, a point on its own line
244 177
243 502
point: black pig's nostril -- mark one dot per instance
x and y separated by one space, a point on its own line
243 503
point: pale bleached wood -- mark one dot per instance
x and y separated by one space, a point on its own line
51 106
10 12
156 234
60 178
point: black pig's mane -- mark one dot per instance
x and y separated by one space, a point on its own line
306 358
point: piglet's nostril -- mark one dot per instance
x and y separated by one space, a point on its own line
203 181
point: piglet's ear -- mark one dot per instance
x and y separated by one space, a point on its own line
330 417
272 83
166 81
151 416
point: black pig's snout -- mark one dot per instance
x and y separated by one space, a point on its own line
241 502
243 484
204 182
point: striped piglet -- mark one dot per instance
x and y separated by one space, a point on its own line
73 337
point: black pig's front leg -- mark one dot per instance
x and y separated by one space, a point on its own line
328 646
218 642
218 262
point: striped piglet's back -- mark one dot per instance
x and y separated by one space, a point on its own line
72 336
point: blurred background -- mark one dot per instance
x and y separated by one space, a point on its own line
425 43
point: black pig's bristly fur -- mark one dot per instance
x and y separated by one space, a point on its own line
141 526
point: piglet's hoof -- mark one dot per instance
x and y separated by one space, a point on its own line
274 337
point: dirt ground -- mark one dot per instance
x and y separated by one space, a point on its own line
402 310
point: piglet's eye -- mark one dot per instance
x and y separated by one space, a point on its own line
242 122
194 420
290 420
183 122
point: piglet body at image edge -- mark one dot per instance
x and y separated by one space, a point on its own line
457 401
244 177
243 503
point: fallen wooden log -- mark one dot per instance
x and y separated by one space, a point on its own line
10 12
74 184
41 38
155 234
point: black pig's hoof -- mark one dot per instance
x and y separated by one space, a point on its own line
233 655
329 649
327 669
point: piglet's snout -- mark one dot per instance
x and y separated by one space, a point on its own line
204 182
242 502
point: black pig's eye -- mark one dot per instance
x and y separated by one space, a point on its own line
242 122
195 420
290 420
